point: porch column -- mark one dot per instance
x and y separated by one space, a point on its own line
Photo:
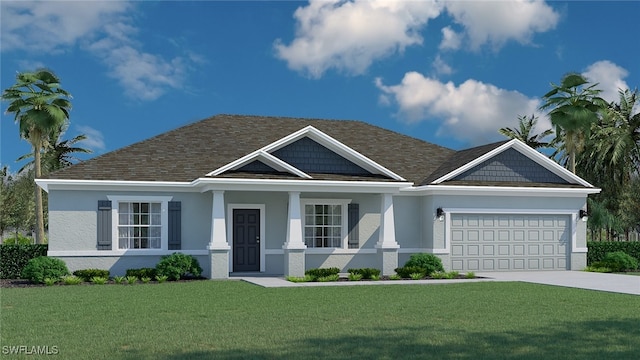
387 245
218 246
294 247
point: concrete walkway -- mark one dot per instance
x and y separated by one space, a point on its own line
625 284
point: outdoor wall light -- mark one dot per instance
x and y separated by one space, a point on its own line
440 214
584 215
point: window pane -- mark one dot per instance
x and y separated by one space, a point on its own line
155 232
123 219
135 207
123 208
123 243
144 243
155 243
144 208
144 219
308 220
336 209
156 208
336 220
308 209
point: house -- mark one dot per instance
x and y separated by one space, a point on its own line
281 195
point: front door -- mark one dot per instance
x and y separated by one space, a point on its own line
246 240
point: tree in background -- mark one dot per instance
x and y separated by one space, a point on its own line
524 132
40 106
573 107
17 205
58 154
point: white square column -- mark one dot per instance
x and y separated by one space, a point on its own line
218 246
294 247
387 245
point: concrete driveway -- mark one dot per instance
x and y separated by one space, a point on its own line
625 284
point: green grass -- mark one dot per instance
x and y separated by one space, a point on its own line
236 320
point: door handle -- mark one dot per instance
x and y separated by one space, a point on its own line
257 239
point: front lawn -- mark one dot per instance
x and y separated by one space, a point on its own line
236 320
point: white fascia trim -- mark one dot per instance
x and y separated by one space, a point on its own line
265 157
210 184
525 150
119 253
322 139
498 191
66 184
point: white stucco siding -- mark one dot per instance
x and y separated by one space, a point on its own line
73 220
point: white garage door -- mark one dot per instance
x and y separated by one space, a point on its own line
496 242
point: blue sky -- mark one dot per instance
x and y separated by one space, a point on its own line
448 72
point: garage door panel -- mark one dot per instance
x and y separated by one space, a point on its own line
491 242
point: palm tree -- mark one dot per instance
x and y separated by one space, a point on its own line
40 106
574 107
58 154
526 126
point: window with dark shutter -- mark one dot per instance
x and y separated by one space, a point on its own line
104 225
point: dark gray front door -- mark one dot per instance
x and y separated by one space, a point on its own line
246 240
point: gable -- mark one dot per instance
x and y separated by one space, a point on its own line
257 166
510 166
309 156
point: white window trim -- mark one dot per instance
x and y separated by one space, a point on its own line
164 220
345 219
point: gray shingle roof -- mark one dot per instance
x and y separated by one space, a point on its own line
192 151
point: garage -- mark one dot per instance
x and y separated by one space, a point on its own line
509 242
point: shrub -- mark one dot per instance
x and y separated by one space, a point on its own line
178 265
315 274
142 272
599 249
18 239
328 278
354 276
50 281
395 277
161 278
470 275
416 276
452 275
375 277
619 261
297 279
71 280
406 271
13 258
367 273
118 279
428 262
131 280
598 267
99 280
43 267
145 280
438 275
88 274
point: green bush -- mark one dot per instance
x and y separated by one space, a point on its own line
43 267
470 275
71 280
428 262
178 266
87 274
619 261
118 279
321 272
142 272
99 280
329 278
297 279
406 271
50 281
367 273
18 239
599 249
354 276
416 276
161 279
13 258
131 280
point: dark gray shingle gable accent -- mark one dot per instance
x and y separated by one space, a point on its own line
510 166
257 167
309 156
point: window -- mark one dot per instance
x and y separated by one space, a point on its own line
325 223
139 225
140 222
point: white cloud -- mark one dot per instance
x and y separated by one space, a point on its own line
441 67
350 35
471 112
94 140
451 40
609 77
103 28
496 22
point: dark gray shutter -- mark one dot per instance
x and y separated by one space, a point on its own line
104 225
175 225
354 218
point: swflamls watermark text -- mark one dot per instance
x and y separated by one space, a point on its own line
29 350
